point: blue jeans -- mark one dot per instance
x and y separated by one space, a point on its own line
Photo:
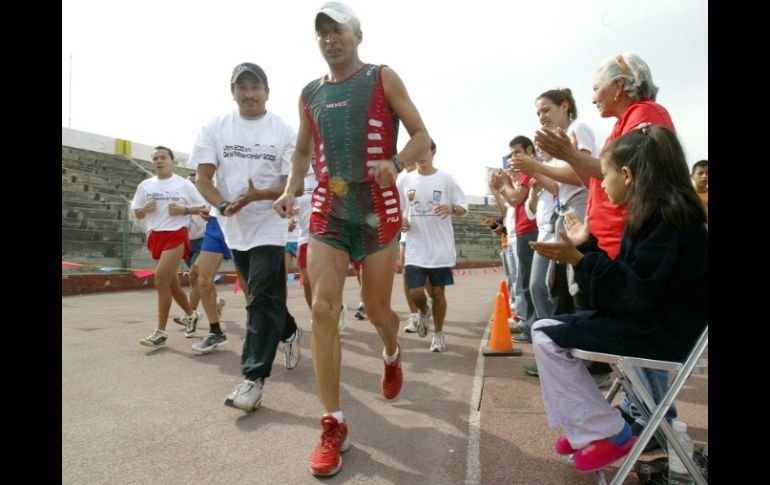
514 285
539 289
656 383
524 255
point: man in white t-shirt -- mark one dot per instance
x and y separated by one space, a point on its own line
243 160
430 245
414 312
165 202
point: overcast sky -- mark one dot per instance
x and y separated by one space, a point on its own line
155 71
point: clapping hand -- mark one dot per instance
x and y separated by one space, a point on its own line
556 143
577 232
562 251
249 196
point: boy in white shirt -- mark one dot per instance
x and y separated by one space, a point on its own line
430 246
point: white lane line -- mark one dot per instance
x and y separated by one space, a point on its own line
473 466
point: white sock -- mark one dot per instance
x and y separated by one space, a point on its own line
415 315
390 358
337 415
162 332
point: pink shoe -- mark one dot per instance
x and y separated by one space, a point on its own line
563 447
601 453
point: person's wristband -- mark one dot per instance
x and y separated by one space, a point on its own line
186 211
398 163
221 207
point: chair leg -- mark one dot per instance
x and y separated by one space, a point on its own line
652 424
655 422
615 387
600 476
644 407
659 423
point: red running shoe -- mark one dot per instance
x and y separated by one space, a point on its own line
563 447
601 453
393 377
325 460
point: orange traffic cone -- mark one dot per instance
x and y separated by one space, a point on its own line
504 289
500 336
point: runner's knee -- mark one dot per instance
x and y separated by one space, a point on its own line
325 311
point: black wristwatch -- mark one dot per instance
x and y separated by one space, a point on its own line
398 163
221 207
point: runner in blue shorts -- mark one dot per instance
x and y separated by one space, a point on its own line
195 229
213 251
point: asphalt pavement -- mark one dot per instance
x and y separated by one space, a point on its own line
134 415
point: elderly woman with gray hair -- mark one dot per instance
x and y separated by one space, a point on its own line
624 89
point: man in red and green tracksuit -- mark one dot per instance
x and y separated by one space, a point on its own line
349 119
351 211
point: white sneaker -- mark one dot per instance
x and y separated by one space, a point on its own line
422 324
191 323
247 396
343 318
291 350
211 342
437 344
411 325
220 305
155 340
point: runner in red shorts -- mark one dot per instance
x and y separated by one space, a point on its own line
165 202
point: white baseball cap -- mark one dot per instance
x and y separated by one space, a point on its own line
337 11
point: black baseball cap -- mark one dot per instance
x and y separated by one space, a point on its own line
249 67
